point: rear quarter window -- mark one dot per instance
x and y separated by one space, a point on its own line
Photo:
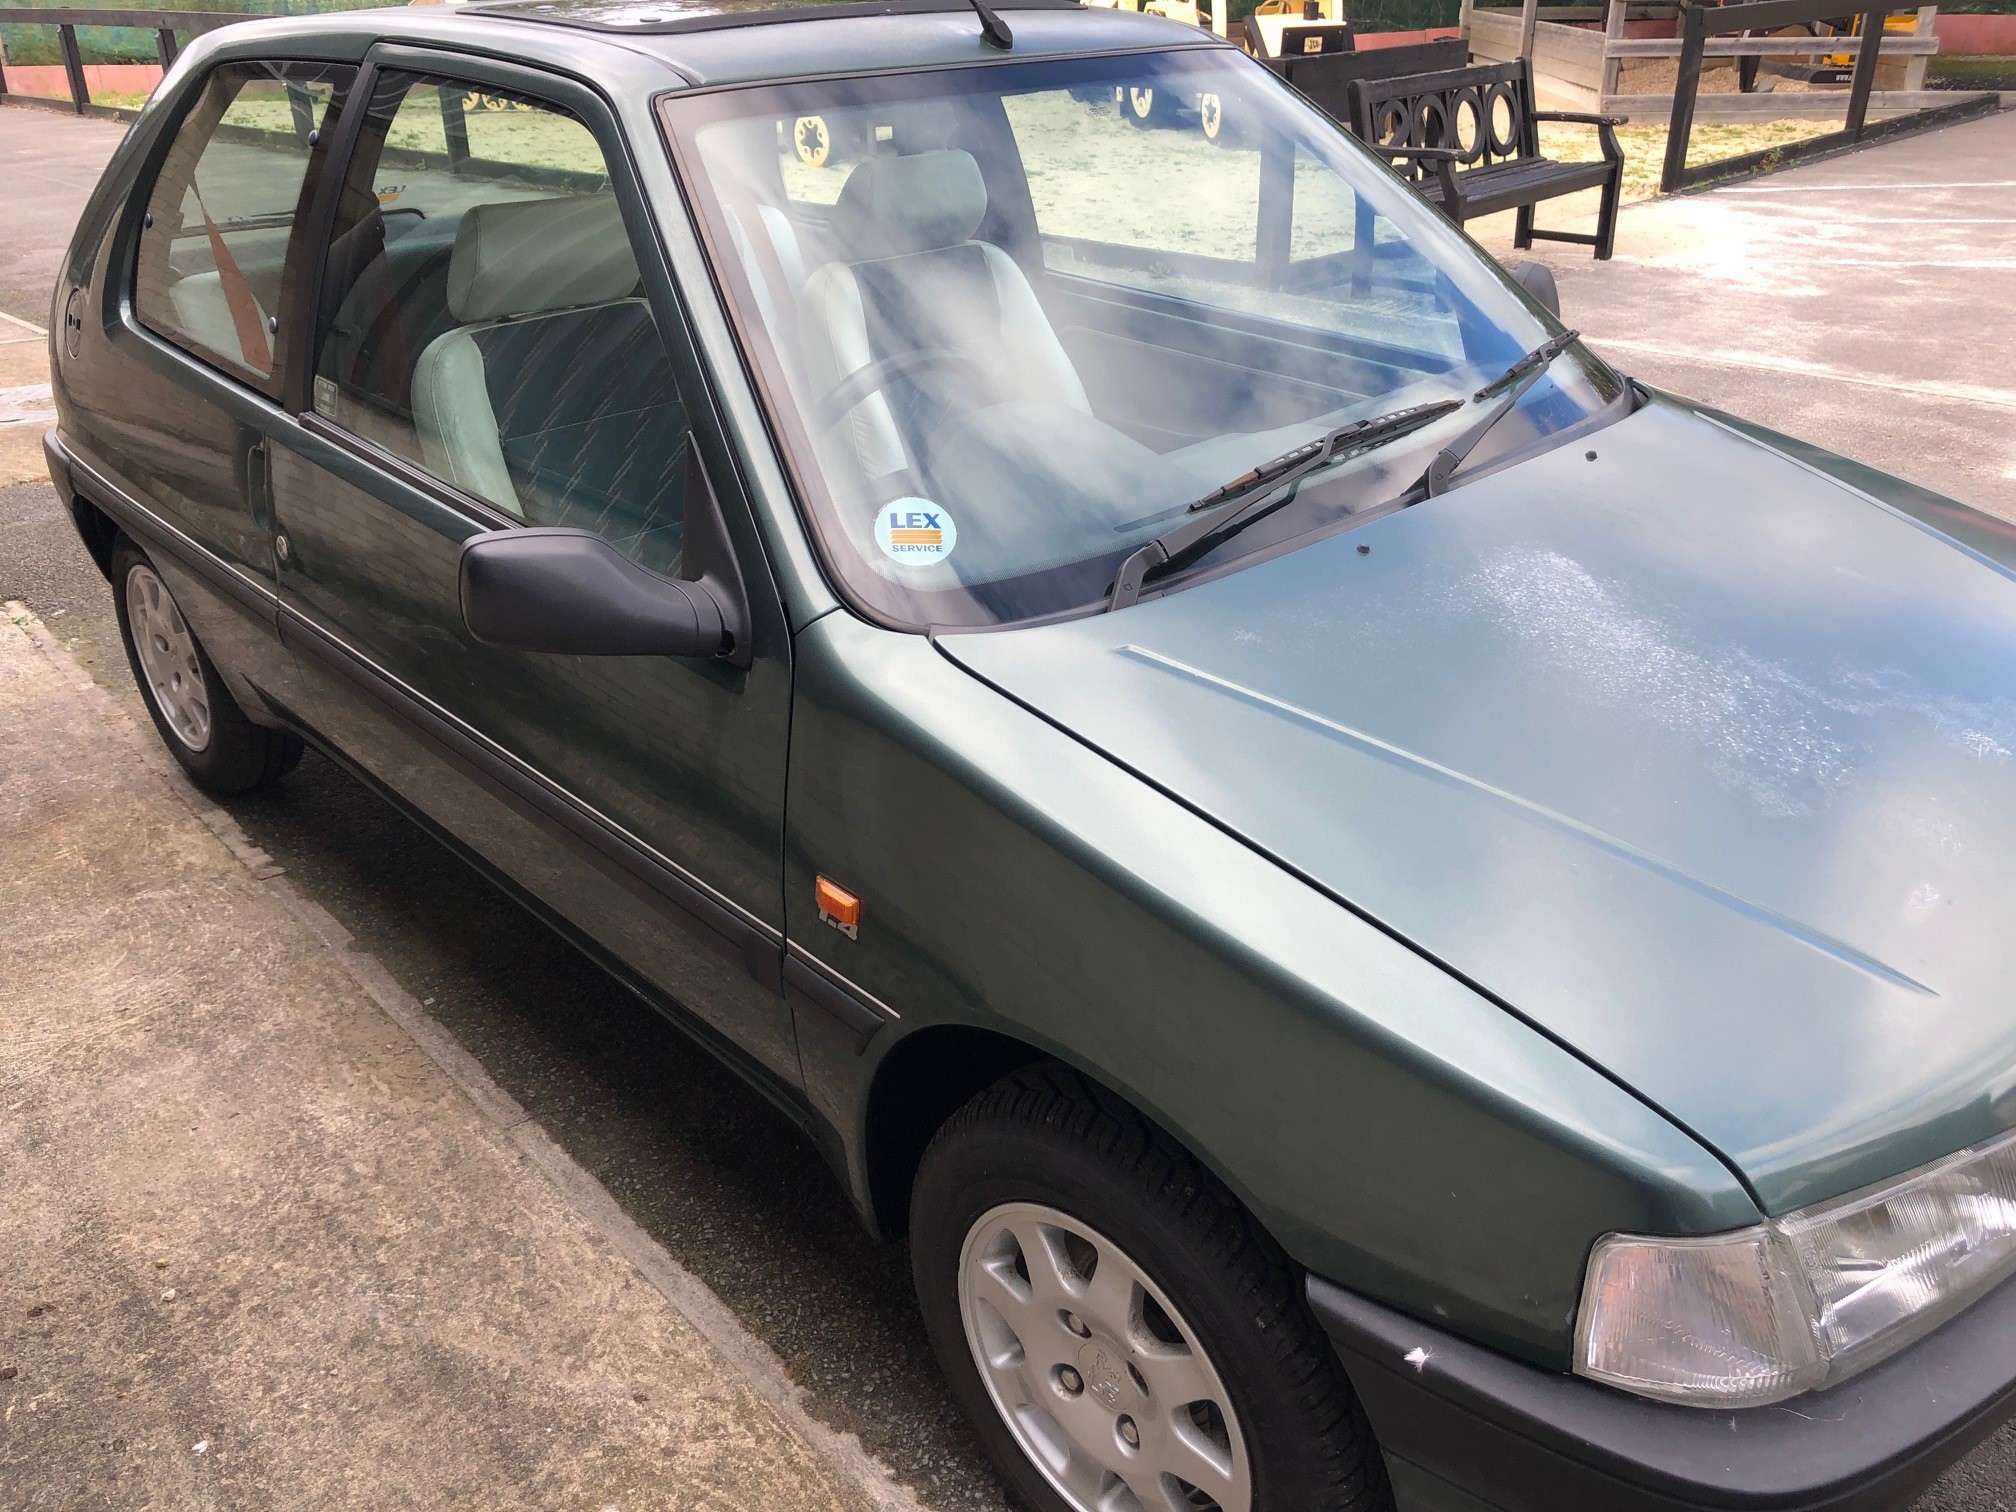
220 245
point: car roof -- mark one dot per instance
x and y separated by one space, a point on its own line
713 42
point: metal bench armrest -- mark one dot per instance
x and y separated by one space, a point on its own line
1606 128
1575 118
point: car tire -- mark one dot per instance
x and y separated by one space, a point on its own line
1043 1164
199 721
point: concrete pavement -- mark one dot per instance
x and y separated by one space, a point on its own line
1866 303
259 1248
49 163
26 409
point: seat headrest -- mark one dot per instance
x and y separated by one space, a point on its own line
518 257
893 205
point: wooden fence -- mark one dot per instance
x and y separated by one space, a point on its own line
1583 67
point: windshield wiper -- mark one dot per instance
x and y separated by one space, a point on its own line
1512 383
1257 493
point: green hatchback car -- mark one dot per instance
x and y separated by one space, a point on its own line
1398 919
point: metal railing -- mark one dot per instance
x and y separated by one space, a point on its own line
1700 22
164 25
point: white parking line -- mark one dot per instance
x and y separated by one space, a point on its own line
1890 221
1856 188
1962 393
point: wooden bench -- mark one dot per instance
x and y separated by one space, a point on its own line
1325 79
1468 139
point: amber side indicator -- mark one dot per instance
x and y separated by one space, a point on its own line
838 907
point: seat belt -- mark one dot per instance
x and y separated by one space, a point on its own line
246 319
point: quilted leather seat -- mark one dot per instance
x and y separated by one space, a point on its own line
552 397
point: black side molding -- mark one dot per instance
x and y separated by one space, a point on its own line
836 1005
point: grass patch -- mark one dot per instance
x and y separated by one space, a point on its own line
1645 146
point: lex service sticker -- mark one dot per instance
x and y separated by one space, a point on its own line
915 532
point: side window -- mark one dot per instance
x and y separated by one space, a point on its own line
1207 236
1345 268
481 317
218 248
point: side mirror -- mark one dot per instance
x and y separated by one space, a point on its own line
570 592
1537 279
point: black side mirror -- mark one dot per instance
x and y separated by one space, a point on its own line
1537 279
570 593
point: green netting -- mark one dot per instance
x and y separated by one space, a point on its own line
1403 15
31 45
1388 15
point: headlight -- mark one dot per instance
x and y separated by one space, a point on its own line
1803 1301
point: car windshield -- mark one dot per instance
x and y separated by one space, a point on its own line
1010 321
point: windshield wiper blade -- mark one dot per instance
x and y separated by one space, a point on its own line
1257 493
1512 383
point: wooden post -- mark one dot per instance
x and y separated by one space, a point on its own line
73 66
1613 31
164 47
1914 68
1865 70
1680 128
455 127
1463 19
1529 23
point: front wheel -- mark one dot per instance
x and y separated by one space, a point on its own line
1121 1332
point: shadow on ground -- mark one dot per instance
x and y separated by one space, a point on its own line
702 1162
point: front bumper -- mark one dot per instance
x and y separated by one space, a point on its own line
1466 1429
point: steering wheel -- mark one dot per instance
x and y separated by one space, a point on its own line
876 376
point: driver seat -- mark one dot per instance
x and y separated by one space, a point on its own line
911 278
552 397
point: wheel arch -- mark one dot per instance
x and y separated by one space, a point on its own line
926 1077
934 1072
97 529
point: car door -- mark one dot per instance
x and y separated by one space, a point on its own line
498 346
175 420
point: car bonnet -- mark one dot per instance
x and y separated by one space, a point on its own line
1702 762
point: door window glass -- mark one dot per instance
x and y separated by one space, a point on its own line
482 317
216 251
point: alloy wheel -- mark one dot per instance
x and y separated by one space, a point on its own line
168 659
1094 1371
